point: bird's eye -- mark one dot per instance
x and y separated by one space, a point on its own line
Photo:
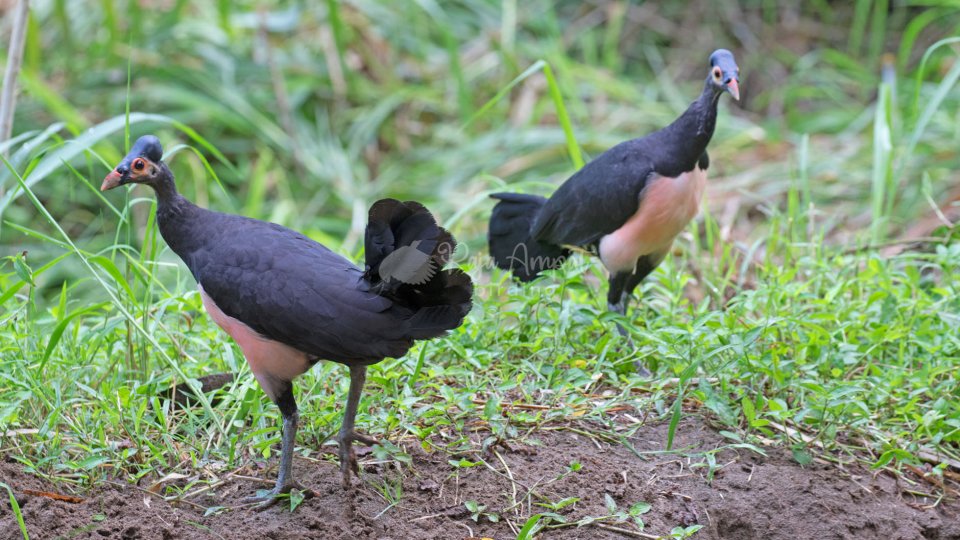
138 164
716 73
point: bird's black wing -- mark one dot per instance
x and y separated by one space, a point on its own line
291 289
598 199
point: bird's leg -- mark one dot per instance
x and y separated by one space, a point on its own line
348 458
644 266
621 307
285 481
618 298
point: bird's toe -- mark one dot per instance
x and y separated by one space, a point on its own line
365 439
260 502
642 370
265 499
348 465
348 457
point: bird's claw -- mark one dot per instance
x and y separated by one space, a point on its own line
365 439
642 370
348 457
265 500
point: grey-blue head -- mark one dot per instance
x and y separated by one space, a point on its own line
140 165
724 73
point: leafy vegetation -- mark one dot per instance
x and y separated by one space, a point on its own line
799 311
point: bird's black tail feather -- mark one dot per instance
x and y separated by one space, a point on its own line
511 246
405 254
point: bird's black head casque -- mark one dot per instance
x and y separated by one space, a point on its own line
141 165
724 74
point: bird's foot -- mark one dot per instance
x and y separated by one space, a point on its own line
641 369
638 366
348 458
265 499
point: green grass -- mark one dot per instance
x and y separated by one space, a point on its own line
777 317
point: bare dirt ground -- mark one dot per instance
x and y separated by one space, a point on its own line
750 496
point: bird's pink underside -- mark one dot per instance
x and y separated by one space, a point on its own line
270 361
667 207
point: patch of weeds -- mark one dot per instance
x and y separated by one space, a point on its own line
478 511
631 514
389 452
615 520
684 532
390 487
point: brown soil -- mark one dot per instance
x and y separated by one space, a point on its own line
750 496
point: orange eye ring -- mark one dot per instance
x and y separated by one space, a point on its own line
138 164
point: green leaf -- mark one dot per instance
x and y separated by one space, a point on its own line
801 456
296 499
610 503
674 420
492 407
16 511
114 272
529 527
748 410
640 508
23 270
891 454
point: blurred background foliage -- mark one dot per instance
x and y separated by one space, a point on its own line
816 290
309 111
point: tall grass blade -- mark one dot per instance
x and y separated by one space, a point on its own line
534 68
339 40
117 303
918 84
882 173
930 109
74 147
675 415
572 147
17 513
859 26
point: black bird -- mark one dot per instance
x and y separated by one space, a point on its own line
626 206
288 301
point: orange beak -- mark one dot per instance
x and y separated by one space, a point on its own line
111 181
734 88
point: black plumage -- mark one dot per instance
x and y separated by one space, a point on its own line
289 301
630 201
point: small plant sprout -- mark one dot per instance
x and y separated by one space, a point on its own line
478 511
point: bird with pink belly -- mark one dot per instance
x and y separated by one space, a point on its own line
289 302
626 206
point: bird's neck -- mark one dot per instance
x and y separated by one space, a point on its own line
174 212
165 187
700 118
692 131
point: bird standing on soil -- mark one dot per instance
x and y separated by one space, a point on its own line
288 301
626 206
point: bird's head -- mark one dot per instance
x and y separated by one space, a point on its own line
724 74
142 165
